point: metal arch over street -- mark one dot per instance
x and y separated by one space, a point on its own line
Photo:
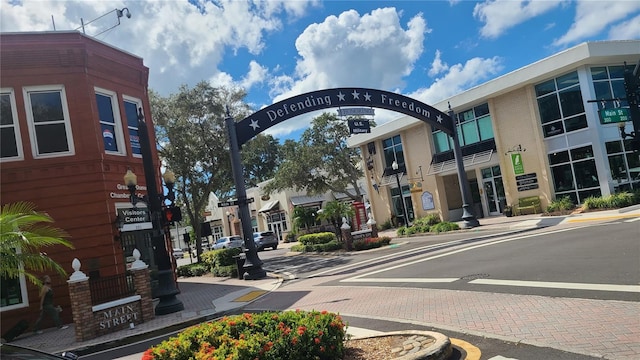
333 98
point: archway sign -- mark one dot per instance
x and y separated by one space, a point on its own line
244 130
333 98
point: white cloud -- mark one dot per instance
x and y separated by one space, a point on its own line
626 30
594 16
345 50
459 78
437 66
501 15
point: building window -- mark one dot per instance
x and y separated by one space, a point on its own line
560 105
392 149
48 118
608 83
574 174
109 122
10 142
13 293
624 165
473 126
131 106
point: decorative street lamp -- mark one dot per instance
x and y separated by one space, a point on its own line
405 217
167 289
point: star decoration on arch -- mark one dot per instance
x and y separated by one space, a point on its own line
439 118
341 96
356 95
367 96
254 124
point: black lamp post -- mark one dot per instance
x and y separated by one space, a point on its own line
395 166
167 289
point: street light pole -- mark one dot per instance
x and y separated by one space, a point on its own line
167 289
405 217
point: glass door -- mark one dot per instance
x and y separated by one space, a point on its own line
493 190
490 197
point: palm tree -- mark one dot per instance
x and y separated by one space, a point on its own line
22 234
334 211
303 217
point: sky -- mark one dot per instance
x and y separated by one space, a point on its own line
275 49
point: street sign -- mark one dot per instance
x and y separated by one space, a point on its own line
359 126
527 182
609 116
356 112
234 202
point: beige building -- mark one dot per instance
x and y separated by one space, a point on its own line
531 132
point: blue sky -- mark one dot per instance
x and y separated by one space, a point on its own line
428 50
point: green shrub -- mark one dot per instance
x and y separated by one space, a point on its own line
291 237
317 238
563 205
330 246
371 243
614 201
191 270
269 336
401 231
428 220
444 226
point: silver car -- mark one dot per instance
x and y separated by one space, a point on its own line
228 242
265 239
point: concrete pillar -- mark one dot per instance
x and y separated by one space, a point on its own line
346 234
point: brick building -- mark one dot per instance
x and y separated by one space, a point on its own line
69 133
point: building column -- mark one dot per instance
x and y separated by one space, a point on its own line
81 307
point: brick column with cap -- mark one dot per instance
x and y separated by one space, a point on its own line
81 308
142 282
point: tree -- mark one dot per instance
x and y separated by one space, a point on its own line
320 161
333 212
192 141
23 232
303 217
260 159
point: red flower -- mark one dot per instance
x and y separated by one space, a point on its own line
316 340
301 330
148 355
294 340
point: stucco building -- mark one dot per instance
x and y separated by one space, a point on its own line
531 132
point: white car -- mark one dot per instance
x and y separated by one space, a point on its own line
178 253
228 242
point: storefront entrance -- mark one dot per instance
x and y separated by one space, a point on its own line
493 190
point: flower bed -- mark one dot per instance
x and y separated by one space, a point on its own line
265 336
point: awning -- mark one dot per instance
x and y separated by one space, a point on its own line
269 206
304 200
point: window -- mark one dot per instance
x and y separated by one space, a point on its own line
624 165
473 126
109 122
13 293
10 143
560 105
574 174
608 83
49 123
392 149
131 106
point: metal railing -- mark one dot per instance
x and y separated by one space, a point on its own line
105 289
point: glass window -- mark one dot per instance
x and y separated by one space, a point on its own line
549 108
474 125
131 112
563 103
392 149
109 121
10 143
12 294
608 83
48 117
624 165
575 170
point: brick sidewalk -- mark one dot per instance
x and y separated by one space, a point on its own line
608 329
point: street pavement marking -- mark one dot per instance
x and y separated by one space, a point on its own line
559 285
403 280
409 263
604 217
473 353
250 296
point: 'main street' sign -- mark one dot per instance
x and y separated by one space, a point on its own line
608 116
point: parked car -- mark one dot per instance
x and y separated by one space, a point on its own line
178 253
265 239
228 242
11 351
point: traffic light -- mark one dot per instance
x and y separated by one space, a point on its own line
172 214
632 92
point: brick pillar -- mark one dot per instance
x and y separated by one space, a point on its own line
81 308
346 234
142 282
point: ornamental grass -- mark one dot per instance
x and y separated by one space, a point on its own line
260 336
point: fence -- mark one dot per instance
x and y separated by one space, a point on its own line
110 288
